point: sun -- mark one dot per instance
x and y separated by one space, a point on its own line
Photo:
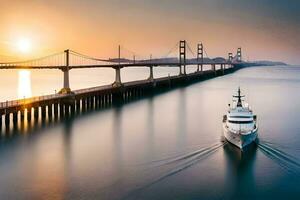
24 45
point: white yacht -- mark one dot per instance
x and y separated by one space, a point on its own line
239 124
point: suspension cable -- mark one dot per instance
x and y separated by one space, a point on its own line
171 50
33 60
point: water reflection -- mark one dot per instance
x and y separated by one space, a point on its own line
145 149
24 84
117 133
240 167
181 137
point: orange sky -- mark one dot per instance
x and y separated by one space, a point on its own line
97 27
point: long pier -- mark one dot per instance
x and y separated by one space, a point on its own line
68 102
61 105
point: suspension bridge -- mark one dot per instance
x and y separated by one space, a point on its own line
67 101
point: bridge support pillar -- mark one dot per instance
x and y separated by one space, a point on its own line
222 67
66 86
151 73
0 123
213 67
180 70
66 79
117 82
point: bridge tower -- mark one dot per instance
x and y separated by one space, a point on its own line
182 56
239 54
230 57
66 84
200 56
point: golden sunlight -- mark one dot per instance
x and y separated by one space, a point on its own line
24 84
24 45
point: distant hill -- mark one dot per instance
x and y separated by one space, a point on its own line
269 63
194 60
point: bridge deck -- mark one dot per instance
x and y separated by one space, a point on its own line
142 64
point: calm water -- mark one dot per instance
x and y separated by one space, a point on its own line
164 147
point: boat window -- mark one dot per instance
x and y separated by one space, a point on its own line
240 122
240 116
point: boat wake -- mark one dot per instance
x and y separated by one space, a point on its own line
280 145
181 163
186 156
285 160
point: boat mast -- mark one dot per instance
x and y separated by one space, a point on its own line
239 96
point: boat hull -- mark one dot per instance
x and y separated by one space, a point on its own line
240 140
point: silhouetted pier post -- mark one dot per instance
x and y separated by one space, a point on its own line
7 120
15 118
89 102
1 122
83 104
22 115
29 110
50 112
55 109
97 98
43 112
36 113
77 106
61 111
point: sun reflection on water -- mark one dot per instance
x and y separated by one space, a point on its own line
24 84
